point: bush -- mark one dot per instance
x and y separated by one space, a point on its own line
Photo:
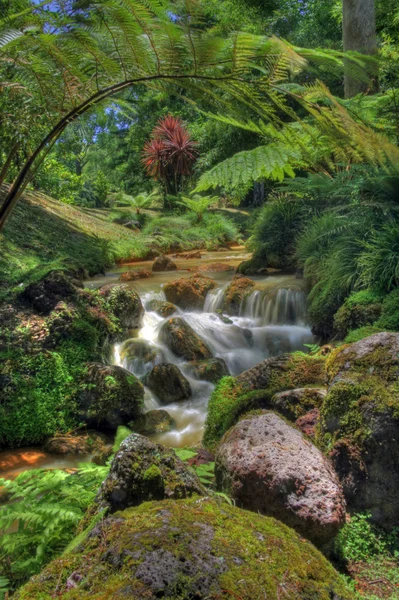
379 261
390 312
359 309
276 230
360 334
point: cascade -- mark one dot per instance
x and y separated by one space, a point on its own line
272 320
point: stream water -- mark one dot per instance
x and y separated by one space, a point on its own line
272 320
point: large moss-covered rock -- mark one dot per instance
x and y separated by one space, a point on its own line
45 294
168 383
163 309
293 404
196 549
110 397
235 294
255 389
189 293
85 443
138 349
360 424
211 370
267 466
153 421
183 341
124 303
142 471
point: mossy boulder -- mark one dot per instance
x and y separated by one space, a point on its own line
142 471
125 304
359 424
359 309
293 404
177 334
110 396
45 294
152 422
193 549
168 383
163 263
269 467
189 294
163 309
255 389
137 348
211 370
235 294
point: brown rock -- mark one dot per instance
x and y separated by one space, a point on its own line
235 294
163 263
75 444
135 274
168 383
217 267
164 309
307 424
188 255
189 293
269 467
183 341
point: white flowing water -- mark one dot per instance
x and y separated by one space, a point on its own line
272 320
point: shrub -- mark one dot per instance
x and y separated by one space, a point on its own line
276 229
390 312
379 262
359 309
360 334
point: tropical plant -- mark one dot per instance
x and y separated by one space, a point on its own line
82 57
41 516
139 202
198 204
170 154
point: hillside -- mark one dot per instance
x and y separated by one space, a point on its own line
43 233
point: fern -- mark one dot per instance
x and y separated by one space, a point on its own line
274 161
43 510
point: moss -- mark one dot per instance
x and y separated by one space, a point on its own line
359 309
363 379
297 404
389 319
232 397
360 334
244 556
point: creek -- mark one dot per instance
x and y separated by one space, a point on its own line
272 320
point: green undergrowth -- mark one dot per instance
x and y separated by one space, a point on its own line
232 398
43 234
44 508
41 384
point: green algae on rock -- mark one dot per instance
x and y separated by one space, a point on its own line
111 396
183 341
142 471
359 424
211 370
255 388
195 548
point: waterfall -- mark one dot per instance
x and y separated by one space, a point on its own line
282 307
271 321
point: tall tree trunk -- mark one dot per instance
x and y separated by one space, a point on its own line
359 35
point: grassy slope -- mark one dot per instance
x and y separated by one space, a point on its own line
43 233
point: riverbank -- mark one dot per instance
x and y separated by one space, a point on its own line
44 234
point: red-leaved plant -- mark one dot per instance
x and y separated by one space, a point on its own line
170 154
